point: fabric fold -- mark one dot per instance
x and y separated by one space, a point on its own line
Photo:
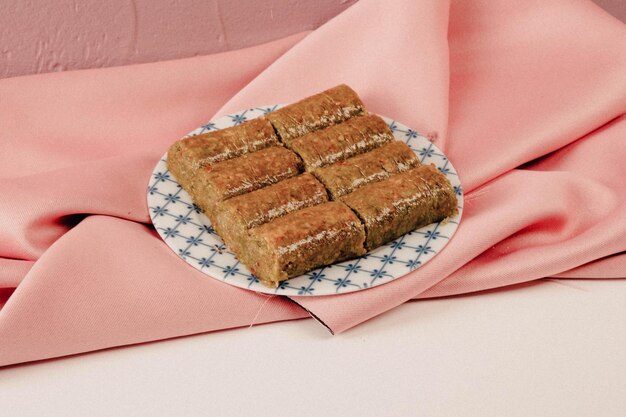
65 305
525 81
400 69
525 98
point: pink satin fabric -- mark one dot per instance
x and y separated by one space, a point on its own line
526 98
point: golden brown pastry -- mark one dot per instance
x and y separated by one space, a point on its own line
189 154
343 177
402 203
302 241
316 112
234 217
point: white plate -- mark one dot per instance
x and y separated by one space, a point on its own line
188 232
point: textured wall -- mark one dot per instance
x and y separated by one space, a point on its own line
42 35
55 35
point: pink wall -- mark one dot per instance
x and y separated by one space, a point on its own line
54 35
42 36
616 7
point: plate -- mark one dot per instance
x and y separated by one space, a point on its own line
188 232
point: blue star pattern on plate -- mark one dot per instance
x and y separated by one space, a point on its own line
188 232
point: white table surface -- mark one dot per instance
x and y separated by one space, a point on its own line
554 349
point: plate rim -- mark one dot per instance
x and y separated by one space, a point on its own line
238 117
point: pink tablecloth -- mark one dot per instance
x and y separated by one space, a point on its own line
526 98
